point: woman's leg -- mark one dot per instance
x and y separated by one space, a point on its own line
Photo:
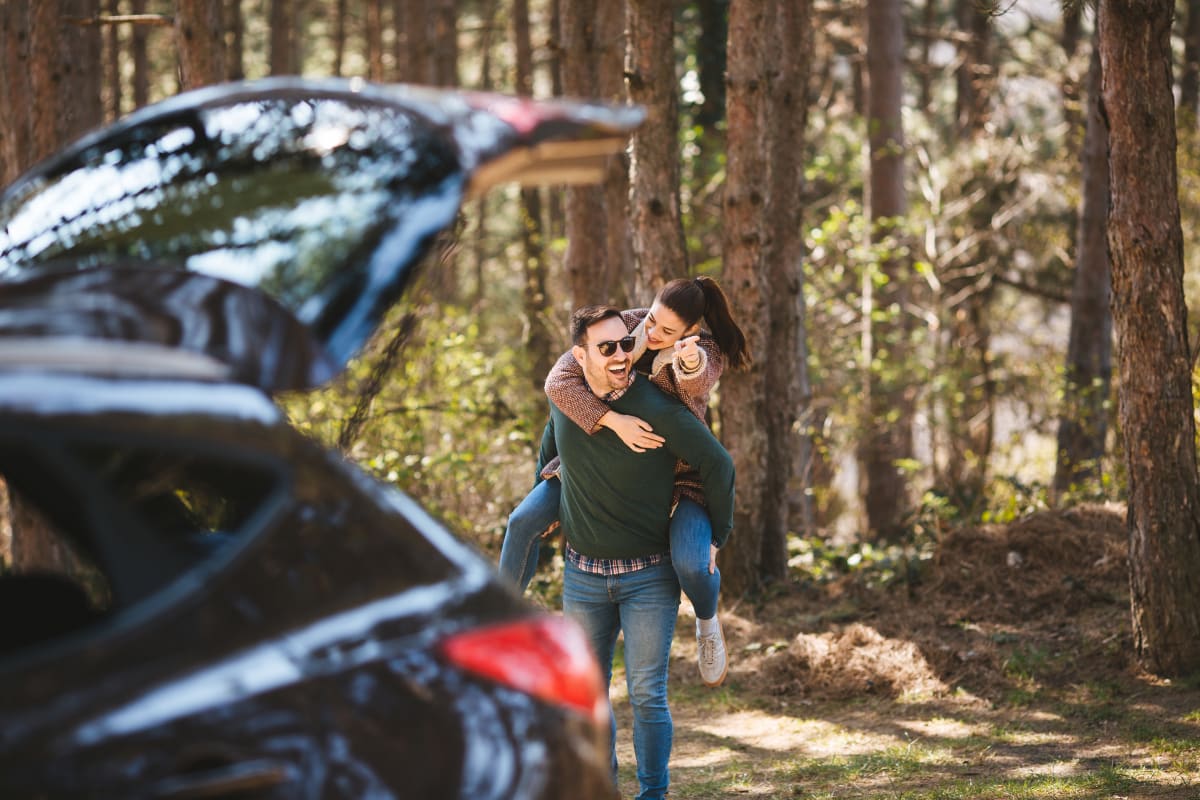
691 542
691 538
528 521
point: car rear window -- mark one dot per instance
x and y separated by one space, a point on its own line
91 525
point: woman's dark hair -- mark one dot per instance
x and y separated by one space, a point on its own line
693 299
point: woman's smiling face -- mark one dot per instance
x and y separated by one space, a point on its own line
664 327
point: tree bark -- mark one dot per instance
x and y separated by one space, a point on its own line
235 51
112 64
1154 360
539 340
281 51
141 60
45 77
200 39
1189 82
743 204
887 437
1083 426
15 102
786 355
445 38
374 37
589 51
660 253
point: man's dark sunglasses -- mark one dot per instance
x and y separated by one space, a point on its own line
609 347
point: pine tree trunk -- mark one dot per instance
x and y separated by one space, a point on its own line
1189 82
141 60
786 354
445 38
743 206
235 52
1154 360
659 250
112 64
200 39
45 77
887 437
15 103
539 342
281 37
374 36
589 51
1083 426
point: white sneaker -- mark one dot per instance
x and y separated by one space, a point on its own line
710 652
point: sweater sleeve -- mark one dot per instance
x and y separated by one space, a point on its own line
699 382
547 452
567 389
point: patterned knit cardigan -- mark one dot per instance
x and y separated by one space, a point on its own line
567 389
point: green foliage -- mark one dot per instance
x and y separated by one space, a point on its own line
457 425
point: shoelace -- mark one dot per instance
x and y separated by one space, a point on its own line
708 648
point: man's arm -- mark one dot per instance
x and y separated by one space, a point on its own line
690 439
548 450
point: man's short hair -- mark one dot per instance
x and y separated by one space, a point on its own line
587 316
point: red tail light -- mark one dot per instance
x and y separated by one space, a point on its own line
547 657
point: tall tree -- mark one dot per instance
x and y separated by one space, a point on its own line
744 197
374 36
112 63
539 341
200 39
281 47
887 435
15 105
235 45
658 240
1083 424
969 400
592 55
1145 242
45 77
445 42
1189 82
786 354
141 59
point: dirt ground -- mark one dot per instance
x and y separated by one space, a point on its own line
1001 668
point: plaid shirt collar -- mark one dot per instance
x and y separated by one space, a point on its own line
616 394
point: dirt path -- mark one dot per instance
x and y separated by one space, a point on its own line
995 685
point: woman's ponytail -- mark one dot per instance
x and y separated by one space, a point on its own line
702 297
725 330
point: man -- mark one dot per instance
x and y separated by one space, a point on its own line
615 509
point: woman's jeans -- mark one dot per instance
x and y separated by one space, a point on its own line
643 605
691 536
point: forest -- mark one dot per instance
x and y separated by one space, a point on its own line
959 235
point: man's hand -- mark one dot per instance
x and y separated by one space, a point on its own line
637 434
688 352
712 559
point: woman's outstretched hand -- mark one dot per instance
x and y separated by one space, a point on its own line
636 433
688 352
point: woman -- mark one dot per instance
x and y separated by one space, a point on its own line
669 346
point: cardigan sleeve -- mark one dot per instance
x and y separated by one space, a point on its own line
698 383
567 389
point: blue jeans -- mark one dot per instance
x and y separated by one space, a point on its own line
526 524
643 605
691 536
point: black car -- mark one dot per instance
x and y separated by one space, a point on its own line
246 614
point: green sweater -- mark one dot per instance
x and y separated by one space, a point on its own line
617 503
